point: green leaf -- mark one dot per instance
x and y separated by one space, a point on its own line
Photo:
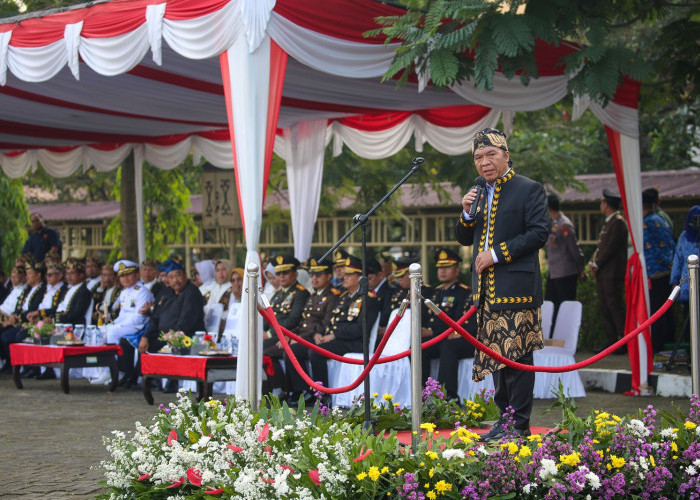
443 67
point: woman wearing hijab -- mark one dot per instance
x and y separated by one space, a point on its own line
206 274
271 285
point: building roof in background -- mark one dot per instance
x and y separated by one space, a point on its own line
672 184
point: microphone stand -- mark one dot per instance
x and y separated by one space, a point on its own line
360 220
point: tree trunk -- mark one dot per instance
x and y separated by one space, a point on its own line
130 246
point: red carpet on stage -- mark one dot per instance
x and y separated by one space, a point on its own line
405 436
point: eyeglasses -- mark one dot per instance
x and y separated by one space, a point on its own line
491 155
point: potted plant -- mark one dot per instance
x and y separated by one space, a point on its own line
177 340
40 332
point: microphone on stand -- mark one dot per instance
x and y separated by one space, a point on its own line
480 185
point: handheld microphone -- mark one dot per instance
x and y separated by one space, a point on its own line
480 185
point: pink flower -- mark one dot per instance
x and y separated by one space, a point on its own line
177 483
268 450
213 491
40 324
143 477
194 476
287 467
266 480
236 449
264 433
172 436
363 454
313 474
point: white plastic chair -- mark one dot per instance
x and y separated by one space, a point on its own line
566 329
466 387
547 317
342 374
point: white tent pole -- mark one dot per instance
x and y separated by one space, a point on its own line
138 188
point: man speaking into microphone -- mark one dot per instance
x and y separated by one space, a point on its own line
509 226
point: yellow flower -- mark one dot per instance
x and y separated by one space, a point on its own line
398 472
690 425
212 404
376 394
442 486
572 459
525 451
426 486
617 462
652 461
432 455
674 446
512 448
422 464
186 341
431 472
431 495
385 470
601 453
373 473
616 418
397 404
428 427
388 397
361 476
534 437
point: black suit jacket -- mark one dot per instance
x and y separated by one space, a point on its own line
33 302
519 225
77 307
183 312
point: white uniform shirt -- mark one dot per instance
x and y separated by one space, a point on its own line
93 283
131 300
25 304
216 291
47 300
63 305
10 303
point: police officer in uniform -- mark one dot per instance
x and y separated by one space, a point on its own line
608 265
340 258
314 319
454 298
287 304
344 331
132 299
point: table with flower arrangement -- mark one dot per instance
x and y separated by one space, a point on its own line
65 358
205 370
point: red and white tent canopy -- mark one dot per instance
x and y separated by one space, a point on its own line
233 79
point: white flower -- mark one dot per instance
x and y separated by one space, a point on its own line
690 470
668 433
549 468
637 428
482 449
451 453
528 487
593 480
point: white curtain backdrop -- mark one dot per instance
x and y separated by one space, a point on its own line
306 143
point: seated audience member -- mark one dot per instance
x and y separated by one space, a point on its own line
380 286
315 318
133 297
206 270
454 298
195 278
106 307
93 272
76 300
340 259
344 331
221 284
18 282
52 296
231 320
180 307
271 281
149 276
30 299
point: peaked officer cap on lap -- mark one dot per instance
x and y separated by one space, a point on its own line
315 267
285 263
124 267
444 257
353 265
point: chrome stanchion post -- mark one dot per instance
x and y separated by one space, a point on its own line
694 318
253 335
416 365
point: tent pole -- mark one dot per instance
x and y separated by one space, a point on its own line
138 188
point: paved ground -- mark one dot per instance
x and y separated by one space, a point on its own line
50 442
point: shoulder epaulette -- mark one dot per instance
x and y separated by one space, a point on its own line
462 285
300 286
344 293
335 291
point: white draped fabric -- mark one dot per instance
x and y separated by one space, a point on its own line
306 143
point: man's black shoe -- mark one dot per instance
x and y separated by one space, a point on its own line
30 372
504 433
171 387
497 428
48 374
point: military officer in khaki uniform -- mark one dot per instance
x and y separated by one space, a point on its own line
314 319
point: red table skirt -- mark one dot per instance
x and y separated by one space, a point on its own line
31 354
185 366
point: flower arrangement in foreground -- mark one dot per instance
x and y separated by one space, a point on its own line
224 450
176 338
40 329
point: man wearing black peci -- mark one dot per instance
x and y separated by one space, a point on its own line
510 226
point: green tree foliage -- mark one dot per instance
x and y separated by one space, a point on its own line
166 199
14 211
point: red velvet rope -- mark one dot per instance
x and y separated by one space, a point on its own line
557 369
387 359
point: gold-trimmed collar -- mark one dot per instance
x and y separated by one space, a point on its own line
508 176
